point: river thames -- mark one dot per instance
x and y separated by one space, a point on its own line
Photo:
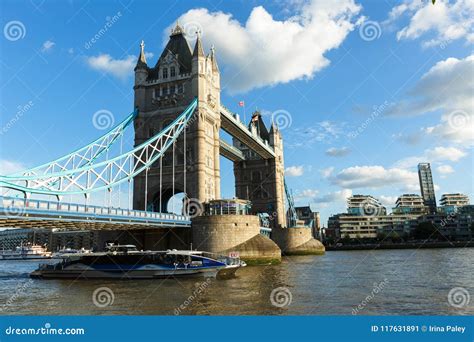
379 282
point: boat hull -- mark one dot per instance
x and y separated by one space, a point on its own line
120 274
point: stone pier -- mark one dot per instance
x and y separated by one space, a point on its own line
234 233
297 241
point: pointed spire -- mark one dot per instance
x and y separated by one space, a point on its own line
177 30
141 62
213 59
198 50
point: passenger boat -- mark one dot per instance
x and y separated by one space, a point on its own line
68 251
23 252
126 262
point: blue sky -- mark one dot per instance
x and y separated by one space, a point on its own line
363 90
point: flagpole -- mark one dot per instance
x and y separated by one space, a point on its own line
245 116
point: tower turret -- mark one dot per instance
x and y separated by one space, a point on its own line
141 74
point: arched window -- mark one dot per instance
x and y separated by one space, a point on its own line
165 72
172 71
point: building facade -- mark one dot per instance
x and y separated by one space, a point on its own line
365 205
310 219
162 92
410 204
451 202
426 186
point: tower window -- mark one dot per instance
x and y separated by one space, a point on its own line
180 88
172 71
165 90
165 72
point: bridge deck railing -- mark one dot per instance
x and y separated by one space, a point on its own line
17 205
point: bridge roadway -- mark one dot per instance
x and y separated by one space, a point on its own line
28 213
232 125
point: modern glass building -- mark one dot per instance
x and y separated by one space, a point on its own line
451 202
426 186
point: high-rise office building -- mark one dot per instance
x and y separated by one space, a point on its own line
426 186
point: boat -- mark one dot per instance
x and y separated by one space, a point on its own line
23 252
68 251
126 262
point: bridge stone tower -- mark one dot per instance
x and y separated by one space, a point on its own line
262 180
162 92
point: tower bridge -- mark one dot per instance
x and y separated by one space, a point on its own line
178 119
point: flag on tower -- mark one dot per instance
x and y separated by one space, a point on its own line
241 104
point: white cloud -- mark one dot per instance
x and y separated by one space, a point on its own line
445 169
325 173
47 45
264 51
294 171
437 154
447 87
323 132
388 201
334 197
373 177
442 22
338 152
8 167
305 195
120 68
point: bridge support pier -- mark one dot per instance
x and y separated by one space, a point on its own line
297 241
234 233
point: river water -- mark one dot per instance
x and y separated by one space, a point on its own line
382 282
